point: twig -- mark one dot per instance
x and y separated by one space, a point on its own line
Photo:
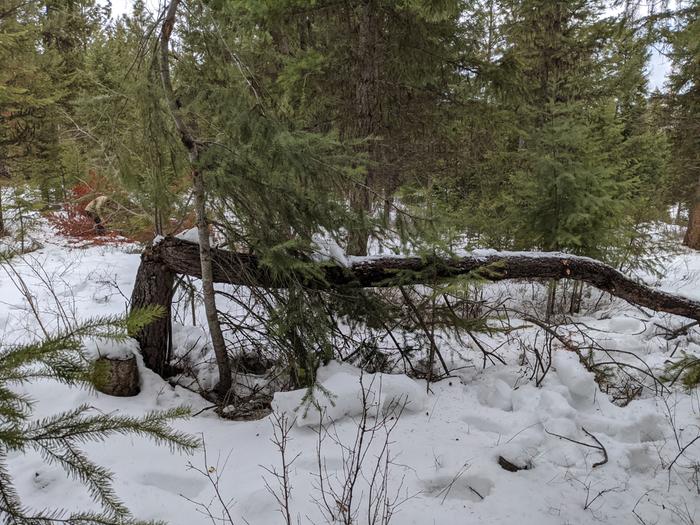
683 450
599 446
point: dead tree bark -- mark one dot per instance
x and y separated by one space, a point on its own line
154 287
199 191
180 256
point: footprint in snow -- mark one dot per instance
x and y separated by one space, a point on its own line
178 485
482 424
331 463
467 487
42 479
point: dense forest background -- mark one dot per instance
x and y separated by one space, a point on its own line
513 125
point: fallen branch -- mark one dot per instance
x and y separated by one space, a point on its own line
599 446
682 451
173 256
182 256
673 334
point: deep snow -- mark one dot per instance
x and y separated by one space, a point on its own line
444 448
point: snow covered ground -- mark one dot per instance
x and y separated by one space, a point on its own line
440 462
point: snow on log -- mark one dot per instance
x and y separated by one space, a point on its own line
178 256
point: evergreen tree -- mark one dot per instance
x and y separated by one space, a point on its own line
26 93
685 105
58 438
131 139
378 74
565 192
68 28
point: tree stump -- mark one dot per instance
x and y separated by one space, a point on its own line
116 377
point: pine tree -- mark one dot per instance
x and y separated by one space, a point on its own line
377 73
642 148
58 438
131 140
565 193
68 28
685 104
26 93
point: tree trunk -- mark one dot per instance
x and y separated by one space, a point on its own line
183 257
3 232
208 293
367 117
361 204
692 234
154 287
4 174
551 299
199 191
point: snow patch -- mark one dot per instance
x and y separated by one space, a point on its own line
496 394
95 348
345 394
191 235
580 383
327 249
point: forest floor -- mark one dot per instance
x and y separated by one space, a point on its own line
443 450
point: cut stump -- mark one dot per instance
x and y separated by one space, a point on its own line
116 377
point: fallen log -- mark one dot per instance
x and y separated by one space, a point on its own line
162 260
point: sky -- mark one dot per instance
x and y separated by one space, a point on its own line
657 70
120 7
